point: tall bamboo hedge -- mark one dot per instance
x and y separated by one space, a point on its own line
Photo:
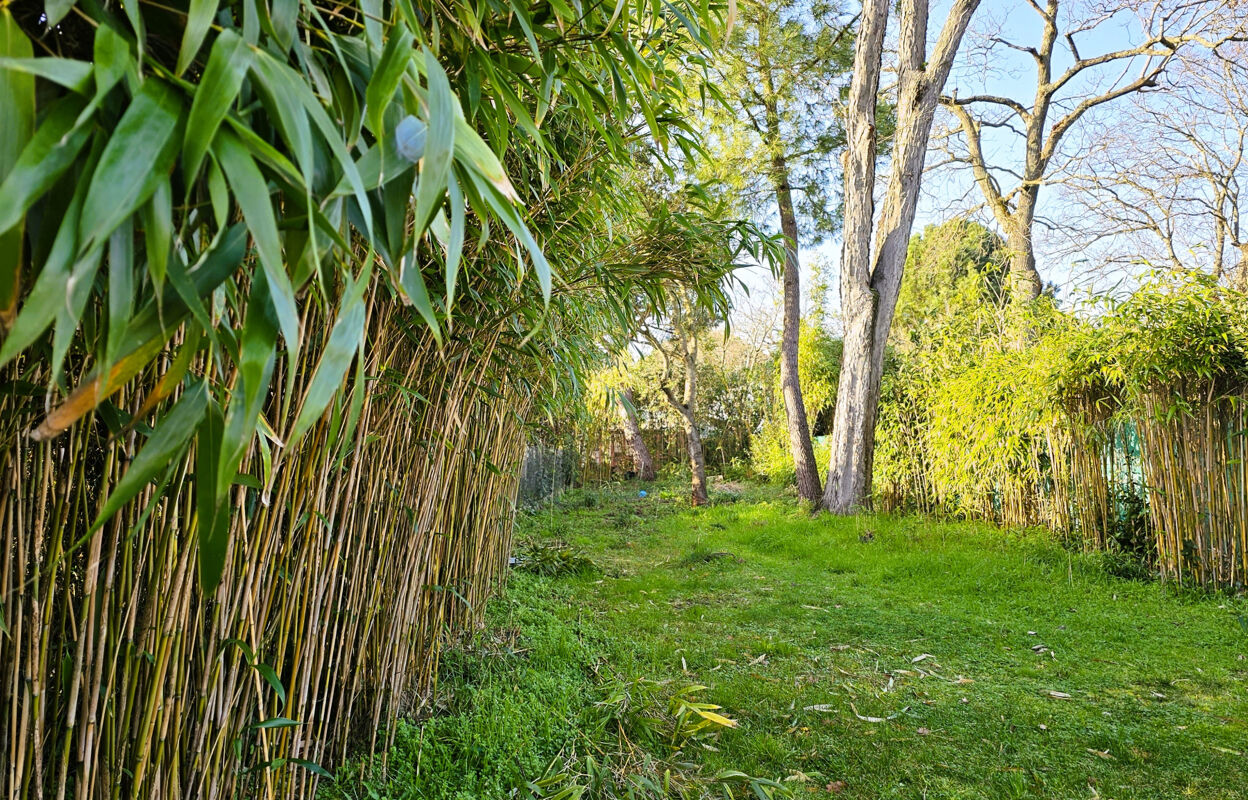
1126 427
281 283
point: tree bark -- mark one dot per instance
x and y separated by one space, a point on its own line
870 285
642 462
807 471
1025 281
697 458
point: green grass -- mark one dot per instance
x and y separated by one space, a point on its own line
956 636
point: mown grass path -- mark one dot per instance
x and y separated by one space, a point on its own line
864 658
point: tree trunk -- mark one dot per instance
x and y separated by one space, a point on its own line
790 384
642 462
697 459
1025 281
869 287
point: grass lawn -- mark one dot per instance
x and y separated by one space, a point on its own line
870 657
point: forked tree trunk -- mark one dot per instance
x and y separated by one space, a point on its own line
686 403
807 472
642 462
870 282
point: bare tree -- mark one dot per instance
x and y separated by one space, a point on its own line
871 276
1064 95
680 353
642 461
1183 199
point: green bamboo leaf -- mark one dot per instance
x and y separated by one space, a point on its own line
344 341
276 722
511 218
284 16
455 244
385 81
373 17
472 149
112 61
166 444
270 675
70 73
157 216
416 293
137 158
228 64
55 11
212 513
54 288
120 288
17 97
439 144
198 21
69 311
158 319
275 80
52 150
135 15
252 194
280 78
257 352
313 767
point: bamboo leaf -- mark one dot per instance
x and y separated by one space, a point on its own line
257 351
228 64
284 16
276 722
416 292
253 198
70 73
51 151
343 342
138 156
212 514
455 244
53 289
55 10
17 97
164 445
158 233
385 81
439 144
270 675
198 21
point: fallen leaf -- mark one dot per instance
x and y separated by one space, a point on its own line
820 707
836 787
921 657
1105 754
923 731
877 719
1058 695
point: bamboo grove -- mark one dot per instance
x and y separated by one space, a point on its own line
281 285
1124 427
